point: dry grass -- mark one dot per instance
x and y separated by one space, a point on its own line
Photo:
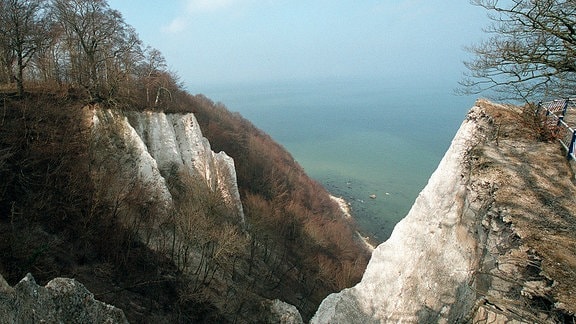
536 193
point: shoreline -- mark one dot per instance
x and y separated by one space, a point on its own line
347 214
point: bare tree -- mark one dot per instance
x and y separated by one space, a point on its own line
81 43
97 36
531 52
23 32
49 62
120 57
6 52
151 74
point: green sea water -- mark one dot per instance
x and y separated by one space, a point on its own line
358 138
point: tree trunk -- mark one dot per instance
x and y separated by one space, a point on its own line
20 77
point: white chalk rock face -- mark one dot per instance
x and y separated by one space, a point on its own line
176 139
420 273
142 148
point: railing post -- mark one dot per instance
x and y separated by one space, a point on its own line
547 110
538 107
565 108
571 146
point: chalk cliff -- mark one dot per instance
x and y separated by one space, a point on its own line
145 148
142 162
490 238
429 258
466 250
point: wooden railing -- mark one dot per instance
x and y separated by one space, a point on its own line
560 114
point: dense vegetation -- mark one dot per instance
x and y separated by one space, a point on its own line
82 44
60 60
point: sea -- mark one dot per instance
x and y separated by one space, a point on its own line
374 143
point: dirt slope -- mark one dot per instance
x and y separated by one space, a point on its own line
529 272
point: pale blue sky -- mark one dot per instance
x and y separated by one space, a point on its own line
223 41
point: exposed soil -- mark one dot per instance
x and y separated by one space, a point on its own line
535 198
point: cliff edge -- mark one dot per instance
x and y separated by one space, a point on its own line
490 237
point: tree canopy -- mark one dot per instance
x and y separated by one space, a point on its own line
83 44
531 51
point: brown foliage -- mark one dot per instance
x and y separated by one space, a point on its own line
50 222
280 199
291 218
295 246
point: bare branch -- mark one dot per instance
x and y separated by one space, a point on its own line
531 53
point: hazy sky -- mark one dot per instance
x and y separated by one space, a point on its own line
220 41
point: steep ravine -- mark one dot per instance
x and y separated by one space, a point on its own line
490 238
470 249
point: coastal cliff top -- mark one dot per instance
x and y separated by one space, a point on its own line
490 239
533 189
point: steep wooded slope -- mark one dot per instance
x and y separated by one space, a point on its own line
59 219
